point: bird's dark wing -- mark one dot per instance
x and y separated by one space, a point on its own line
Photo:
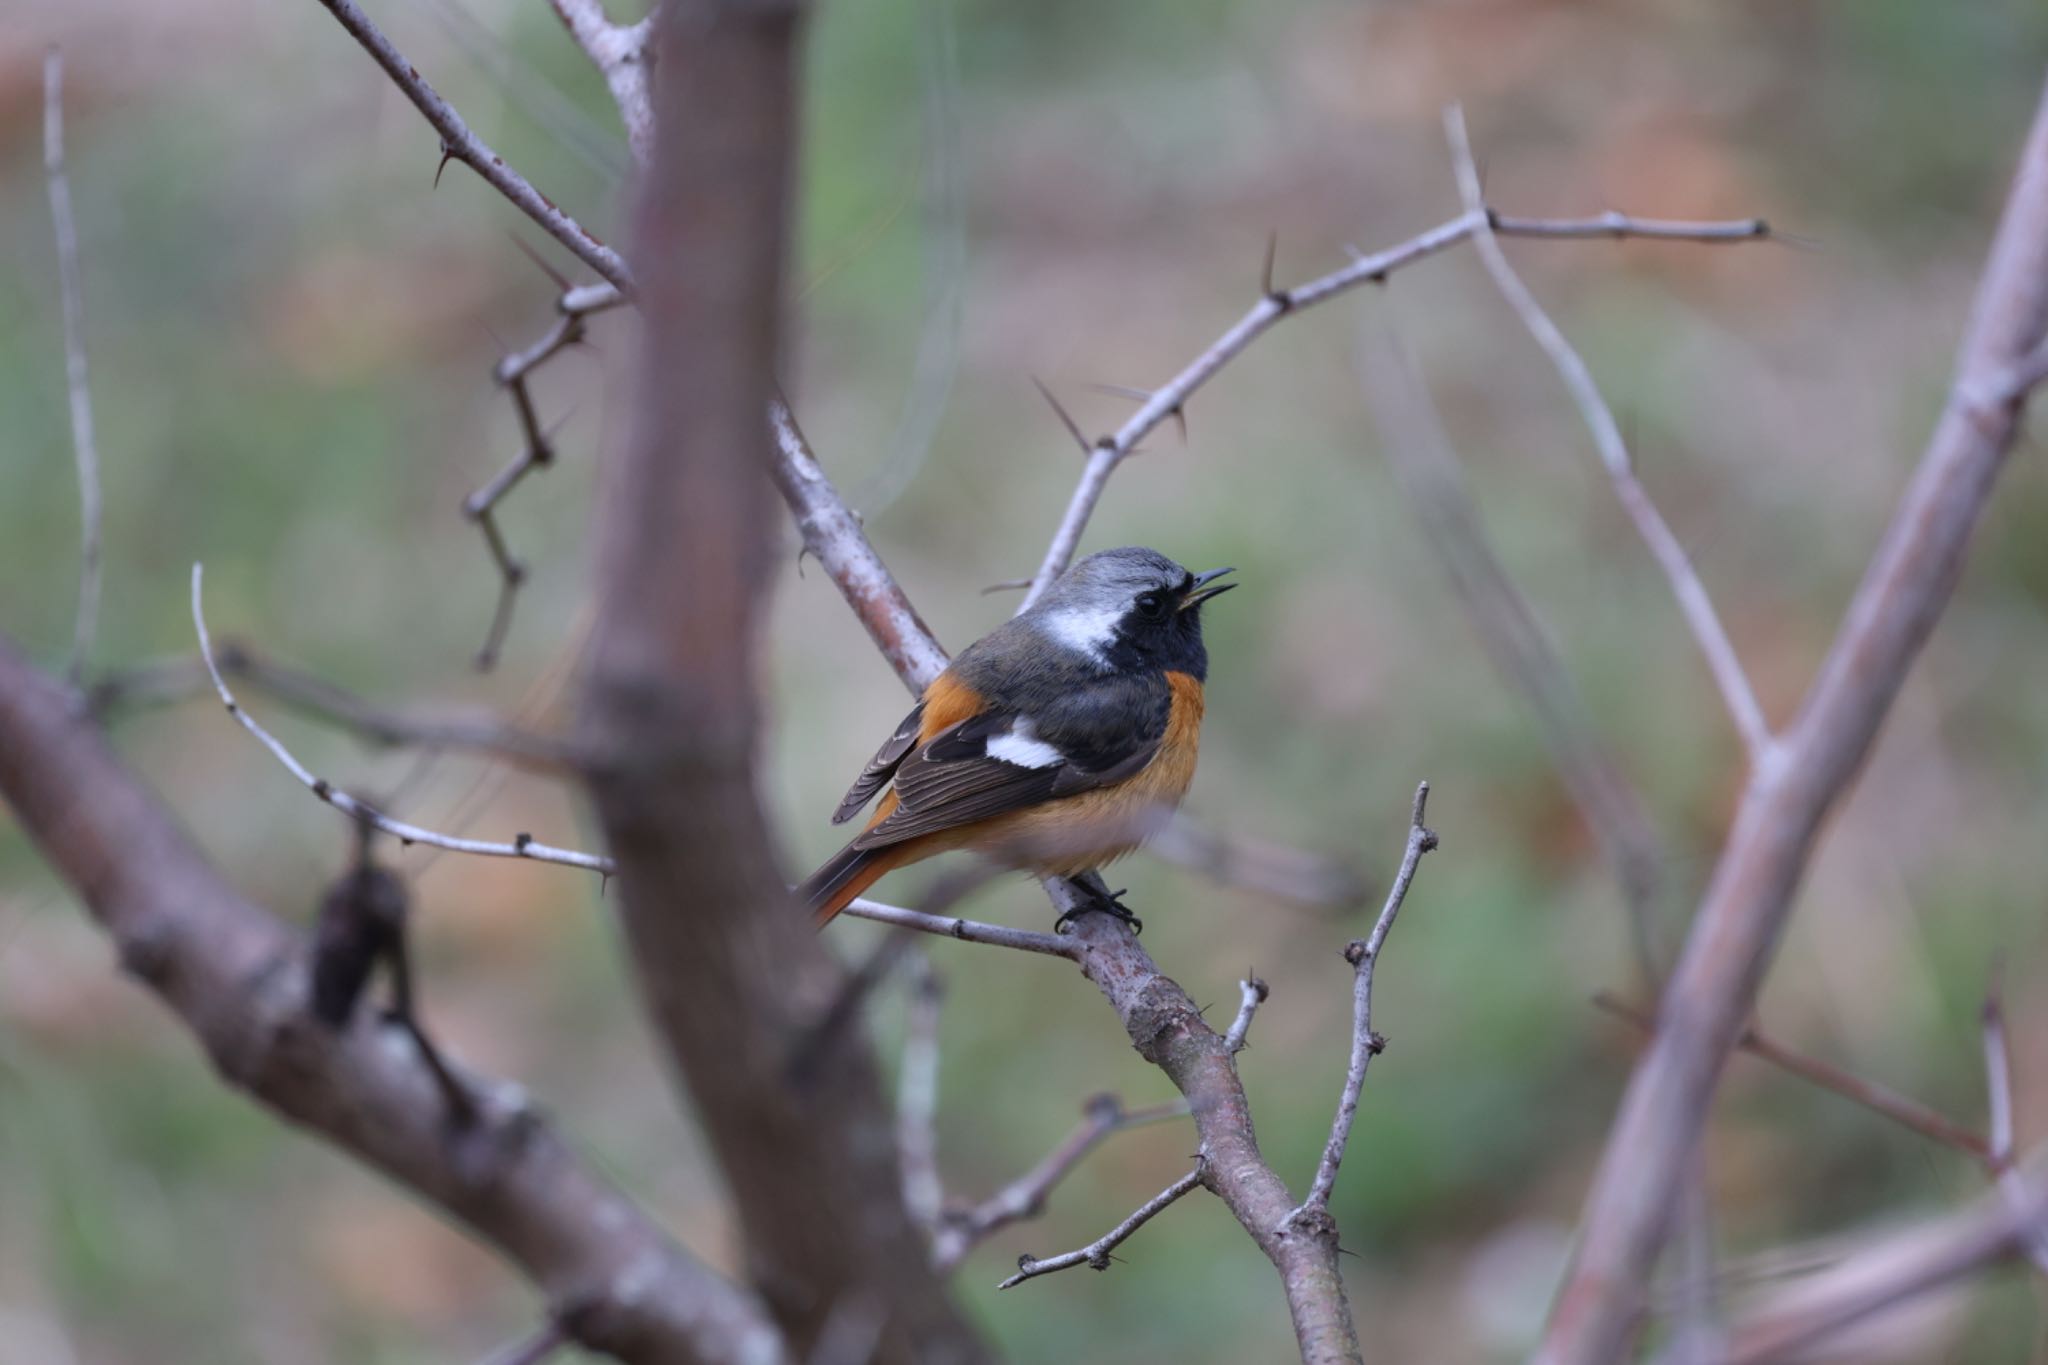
881 767
1003 761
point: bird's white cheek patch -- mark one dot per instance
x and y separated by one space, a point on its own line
1090 632
1024 751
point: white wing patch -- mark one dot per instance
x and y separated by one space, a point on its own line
1023 748
1085 630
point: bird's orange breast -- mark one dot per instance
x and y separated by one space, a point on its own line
1100 826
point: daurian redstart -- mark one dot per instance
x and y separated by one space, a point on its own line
1048 740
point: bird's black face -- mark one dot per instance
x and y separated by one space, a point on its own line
1131 610
1161 628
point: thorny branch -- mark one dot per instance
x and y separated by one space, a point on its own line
1693 602
1363 955
84 446
574 305
1108 451
459 143
522 845
1096 1253
959 1230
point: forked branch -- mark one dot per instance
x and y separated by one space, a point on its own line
1364 955
1096 1253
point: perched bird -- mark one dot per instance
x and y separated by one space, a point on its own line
1049 740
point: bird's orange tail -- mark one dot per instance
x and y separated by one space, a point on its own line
844 876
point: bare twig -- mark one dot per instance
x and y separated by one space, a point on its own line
966 930
833 535
84 447
619 52
1252 993
1097 1253
1998 1089
1104 1115
1515 640
574 306
917 1097
1693 602
1740 921
1901 1109
1997 1081
1170 399
1363 955
835 1022
459 143
522 846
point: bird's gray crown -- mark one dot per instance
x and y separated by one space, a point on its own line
1112 578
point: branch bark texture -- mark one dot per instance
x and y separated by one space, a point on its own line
732 975
1737 927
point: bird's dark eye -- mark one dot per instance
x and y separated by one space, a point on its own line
1151 606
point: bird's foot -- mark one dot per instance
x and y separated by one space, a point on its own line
1096 896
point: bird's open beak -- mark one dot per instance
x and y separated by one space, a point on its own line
1201 592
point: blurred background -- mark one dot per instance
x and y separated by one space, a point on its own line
291 335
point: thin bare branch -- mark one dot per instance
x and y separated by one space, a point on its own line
1997 1080
1251 993
1882 1100
835 538
966 930
461 144
573 308
1170 399
1740 921
619 52
84 446
917 1097
1363 955
522 845
1999 1095
1693 602
1097 1253
1104 1115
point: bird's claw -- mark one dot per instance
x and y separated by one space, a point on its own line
1096 896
